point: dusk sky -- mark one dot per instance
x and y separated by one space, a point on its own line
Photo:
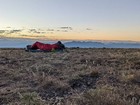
71 19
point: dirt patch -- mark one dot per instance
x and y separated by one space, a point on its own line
83 82
52 90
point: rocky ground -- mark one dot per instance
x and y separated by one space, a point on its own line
73 77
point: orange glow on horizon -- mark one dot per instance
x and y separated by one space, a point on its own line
130 35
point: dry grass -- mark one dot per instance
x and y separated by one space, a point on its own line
131 77
73 77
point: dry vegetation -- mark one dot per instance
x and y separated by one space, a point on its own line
72 77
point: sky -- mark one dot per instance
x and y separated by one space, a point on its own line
70 19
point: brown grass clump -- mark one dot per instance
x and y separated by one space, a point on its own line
94 73
135 78
31 99
132 77
102 96
72 77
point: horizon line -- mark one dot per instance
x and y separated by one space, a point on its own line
102 40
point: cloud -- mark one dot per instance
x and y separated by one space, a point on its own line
65 31
33 31
88 29
9 31
50 29
24 35
14 31
8 27
36 31
2 31
33 36
66 28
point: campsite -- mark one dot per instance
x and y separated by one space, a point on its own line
76 76
69 52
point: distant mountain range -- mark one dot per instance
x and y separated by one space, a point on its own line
21 43
92 44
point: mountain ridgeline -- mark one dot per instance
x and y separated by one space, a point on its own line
21 43
90 44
